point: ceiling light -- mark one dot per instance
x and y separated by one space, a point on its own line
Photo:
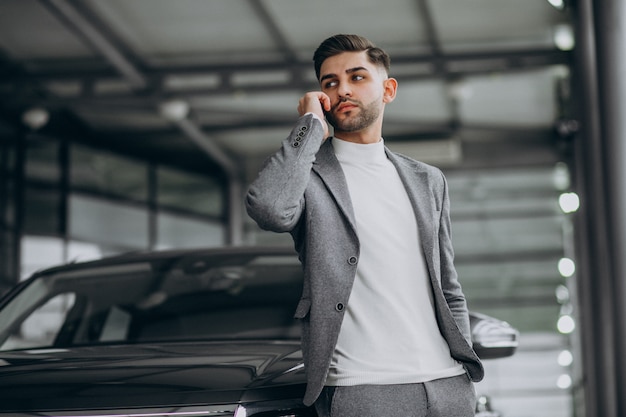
564 381
565 358
558 4
562 294
566 324
569 202
174 110
566 267
564 37
36 118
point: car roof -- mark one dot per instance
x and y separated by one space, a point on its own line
169 255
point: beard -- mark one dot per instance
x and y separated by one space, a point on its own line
366 117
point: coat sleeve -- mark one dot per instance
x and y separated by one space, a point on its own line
275 199
450 284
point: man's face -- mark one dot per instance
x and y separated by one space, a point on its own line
356 88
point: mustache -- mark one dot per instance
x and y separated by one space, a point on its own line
343 101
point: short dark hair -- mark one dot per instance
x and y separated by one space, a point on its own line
338 44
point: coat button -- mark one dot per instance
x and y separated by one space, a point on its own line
339 307
295 144
352 260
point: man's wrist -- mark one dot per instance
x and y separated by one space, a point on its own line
317 117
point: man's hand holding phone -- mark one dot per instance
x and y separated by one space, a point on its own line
317 103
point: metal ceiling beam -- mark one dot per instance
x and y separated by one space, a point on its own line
457 62
446 72
275 33
85 29
432 36
458 65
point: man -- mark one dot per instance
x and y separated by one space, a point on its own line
385 322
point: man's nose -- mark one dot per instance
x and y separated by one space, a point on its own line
344 91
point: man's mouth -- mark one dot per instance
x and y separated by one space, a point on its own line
345 107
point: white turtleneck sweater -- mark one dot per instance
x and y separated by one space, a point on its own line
389 334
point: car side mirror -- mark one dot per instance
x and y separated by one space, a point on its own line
492 338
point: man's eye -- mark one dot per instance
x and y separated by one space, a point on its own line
358 77
330 84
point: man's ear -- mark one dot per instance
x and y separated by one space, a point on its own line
391 87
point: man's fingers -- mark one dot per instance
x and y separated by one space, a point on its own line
325 101
317 103
314 101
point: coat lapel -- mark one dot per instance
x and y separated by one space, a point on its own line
328 168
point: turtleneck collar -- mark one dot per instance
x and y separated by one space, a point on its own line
359 153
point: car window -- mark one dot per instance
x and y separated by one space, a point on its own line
192 298
41 326
115 326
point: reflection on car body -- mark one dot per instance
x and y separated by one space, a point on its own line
173 333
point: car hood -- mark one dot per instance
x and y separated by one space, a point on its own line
149 375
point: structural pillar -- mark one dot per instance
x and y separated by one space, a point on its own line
601 181
610 23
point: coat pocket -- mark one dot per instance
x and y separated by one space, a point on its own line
303 308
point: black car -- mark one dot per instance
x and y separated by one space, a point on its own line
193 333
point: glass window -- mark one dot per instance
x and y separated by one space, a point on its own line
42 160
180 232
40 252
42 211
105 222
107 173
178 189
83 251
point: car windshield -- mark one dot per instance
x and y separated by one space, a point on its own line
193 297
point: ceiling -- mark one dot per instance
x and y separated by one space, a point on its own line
470 73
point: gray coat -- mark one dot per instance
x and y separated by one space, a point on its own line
302 190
